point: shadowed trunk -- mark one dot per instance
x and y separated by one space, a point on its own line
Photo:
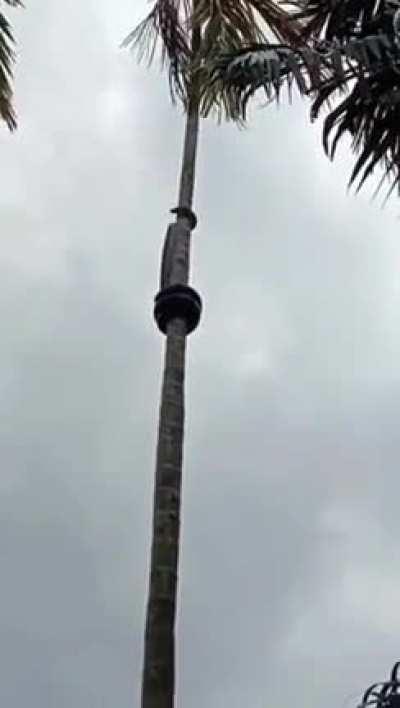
158 684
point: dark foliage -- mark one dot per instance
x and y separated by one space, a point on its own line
7 59
370 114
349 52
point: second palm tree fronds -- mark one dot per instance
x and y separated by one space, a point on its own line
352 49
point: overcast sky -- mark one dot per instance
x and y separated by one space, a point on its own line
290 571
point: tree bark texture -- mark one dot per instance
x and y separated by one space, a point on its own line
158 688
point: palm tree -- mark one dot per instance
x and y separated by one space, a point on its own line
351 47
190 32
7 113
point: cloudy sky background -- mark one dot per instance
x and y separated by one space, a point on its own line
290 561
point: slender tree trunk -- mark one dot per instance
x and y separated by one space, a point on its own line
158 684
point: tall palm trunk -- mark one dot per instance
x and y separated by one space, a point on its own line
177 312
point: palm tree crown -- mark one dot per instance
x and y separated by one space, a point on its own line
220 25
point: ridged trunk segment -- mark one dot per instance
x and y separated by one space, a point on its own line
159 664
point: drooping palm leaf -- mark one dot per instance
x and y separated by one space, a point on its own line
7 58
167 25
371 115
236 76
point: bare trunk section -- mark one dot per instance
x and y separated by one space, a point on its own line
158 688
158 684
186 187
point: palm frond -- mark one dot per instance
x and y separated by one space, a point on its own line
371 115
7 58
167 25
235 76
